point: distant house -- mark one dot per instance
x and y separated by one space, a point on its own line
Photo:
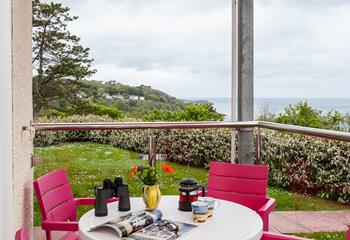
81 95
134 97
107 96
118 97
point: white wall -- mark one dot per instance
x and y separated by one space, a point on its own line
6 228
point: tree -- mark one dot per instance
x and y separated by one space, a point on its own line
191 113
302 114
59 61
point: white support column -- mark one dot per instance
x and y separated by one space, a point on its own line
6 204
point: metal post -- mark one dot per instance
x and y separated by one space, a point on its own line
152 151
258 147
234 81
244 51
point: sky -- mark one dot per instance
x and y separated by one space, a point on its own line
183 47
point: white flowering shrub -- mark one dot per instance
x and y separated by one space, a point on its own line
308 164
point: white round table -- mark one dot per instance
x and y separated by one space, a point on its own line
230 221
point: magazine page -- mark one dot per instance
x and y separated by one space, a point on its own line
162 230
132 222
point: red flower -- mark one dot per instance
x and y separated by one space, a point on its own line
134 170
167 168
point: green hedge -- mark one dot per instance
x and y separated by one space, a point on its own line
299 163
308 164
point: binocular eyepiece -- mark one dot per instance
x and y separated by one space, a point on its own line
108 184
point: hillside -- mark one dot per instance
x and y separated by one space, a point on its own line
134 100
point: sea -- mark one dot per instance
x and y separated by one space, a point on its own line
277 105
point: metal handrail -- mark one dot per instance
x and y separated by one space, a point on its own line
315 132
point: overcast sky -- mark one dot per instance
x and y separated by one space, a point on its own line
183 47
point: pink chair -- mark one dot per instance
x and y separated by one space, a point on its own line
57 204
277 236
243 184
347 237
22 234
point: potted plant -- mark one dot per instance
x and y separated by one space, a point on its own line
149 177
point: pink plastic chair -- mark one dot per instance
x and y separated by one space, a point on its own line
277 236
57 204
243 184
347 237
22 234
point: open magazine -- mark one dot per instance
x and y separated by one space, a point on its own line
147 225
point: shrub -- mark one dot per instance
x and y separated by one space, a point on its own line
87 108
302 114
308 165
190 113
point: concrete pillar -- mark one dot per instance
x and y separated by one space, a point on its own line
22 113
16 145
6 203
243 78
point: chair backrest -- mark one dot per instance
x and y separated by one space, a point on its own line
55 197
22 234
240 183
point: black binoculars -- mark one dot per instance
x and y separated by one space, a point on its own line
111 189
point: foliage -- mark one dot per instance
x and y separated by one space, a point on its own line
308 165
53 113
149 174
59 60
86 108
190 113
303 114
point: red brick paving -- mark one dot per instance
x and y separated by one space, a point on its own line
309 221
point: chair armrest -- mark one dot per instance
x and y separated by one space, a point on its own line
268 206
84 201
59 226
277 236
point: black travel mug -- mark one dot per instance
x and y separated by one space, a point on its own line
124 198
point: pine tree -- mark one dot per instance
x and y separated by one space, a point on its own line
59 60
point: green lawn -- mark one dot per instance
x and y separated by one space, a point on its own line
88 164
324 235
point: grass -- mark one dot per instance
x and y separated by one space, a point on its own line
88 164
288 201
323 235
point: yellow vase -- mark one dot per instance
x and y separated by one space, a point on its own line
151 196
